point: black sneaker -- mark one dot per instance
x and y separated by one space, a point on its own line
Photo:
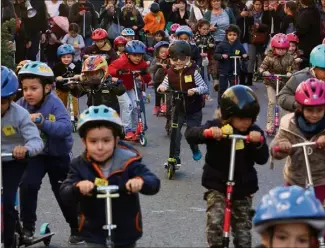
178 163
76 240
28 235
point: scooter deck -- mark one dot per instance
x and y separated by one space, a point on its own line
37 239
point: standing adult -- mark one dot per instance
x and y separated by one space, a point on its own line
166 6
179 13
321 7
83 12
53 7
197 12
308 29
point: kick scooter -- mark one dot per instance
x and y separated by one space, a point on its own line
308 150
18 241
235 58
178 97
276 122
228 134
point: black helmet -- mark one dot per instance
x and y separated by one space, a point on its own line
154 8
179 48
239 101
233 28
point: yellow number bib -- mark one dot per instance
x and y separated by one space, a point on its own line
101 182
237 52
51 118
188 79
240 145
8 130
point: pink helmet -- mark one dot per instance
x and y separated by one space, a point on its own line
292 38
280 41
311 92
174 27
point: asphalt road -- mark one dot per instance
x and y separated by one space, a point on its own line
175 217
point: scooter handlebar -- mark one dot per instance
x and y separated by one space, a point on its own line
207 133
274 76
10 154
278 149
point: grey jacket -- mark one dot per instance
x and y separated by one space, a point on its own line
286 97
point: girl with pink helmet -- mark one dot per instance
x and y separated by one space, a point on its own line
276 61
306 124
172 31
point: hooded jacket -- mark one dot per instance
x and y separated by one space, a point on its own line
126 164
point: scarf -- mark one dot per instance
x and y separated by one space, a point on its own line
307 128
257 17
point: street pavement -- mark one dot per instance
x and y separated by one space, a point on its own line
175 217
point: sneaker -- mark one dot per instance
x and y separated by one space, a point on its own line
156 110
178 163
76 240
197 155
28 235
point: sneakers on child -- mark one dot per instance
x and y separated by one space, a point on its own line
156 110
28 235
178 163
75 239
197 155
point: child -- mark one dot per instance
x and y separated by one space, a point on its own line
128 34
75 39
293 49
158 68
102 45
20 137
289 217
160 35
95 71
116 163
239 108
64 69
56 131
277 61
173 28
19 93
185 33
154 20
132 60
225 49
119 45
183 75
306 124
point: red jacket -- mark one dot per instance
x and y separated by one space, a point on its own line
123 63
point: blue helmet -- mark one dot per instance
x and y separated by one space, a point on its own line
65 49
135 47
99 114
9 82
288 205
184 30
317 56
159 45
128 32
38 69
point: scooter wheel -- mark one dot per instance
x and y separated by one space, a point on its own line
170 171
143 140
45 229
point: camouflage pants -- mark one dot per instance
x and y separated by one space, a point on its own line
241 221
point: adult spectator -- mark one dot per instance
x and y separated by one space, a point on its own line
7 10
166 6
321 7
197 12
80 10
53 7
308 29
179 13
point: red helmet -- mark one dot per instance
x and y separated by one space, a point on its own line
99 34
311 92
292 38
280 41
120 41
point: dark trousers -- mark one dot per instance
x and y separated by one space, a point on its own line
158 96
225 81
192 120
57 169
12 172
33 50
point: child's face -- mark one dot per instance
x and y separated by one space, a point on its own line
179 63
241 124
4 105
100 43
294 235
204 29
320 73
94 75
121 49
73 34
33 90
70 2
129 38
163 53
292 47
280 51
100 143
314 114
136 58
184 37
158 37
66 59
232 37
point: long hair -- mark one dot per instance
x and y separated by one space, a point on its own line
134 11
223 4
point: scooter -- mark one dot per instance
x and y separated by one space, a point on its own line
228 134
276 122
235 73
45 232
308 150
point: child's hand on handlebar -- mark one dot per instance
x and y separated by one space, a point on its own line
19 152
59 78
255 136
244 55
216 133
289 74
321 142
225 56
266 73
191 92
134 185
161 88
35 116
285 146
85 186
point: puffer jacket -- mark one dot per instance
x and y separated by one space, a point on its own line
277 65
295 167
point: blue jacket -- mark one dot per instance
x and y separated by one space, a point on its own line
126 164
226 66
196 54
56 129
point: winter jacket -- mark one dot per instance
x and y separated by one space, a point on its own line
287 25
278 65
127 20
153 23
232 19
157 71
322 21
91 17
286 97
295 167
175 17
195 54
38 23
226 66
64 71
125 164
217 160
107 17
106 50
123 63
56 130
207 41
166 8
277 16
